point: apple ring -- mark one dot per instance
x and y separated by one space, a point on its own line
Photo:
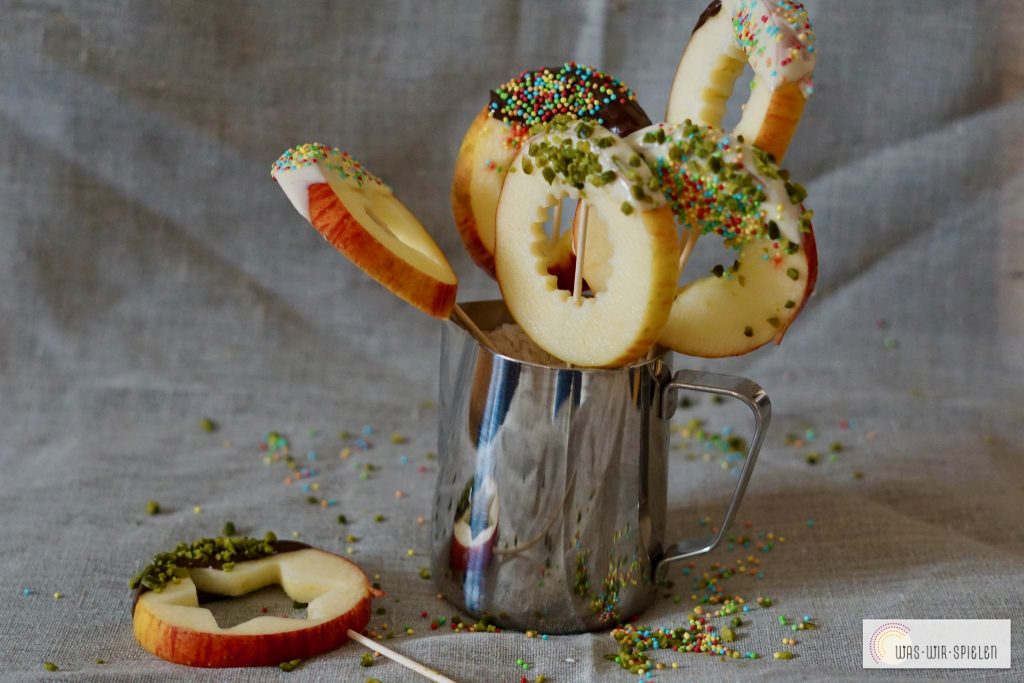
717 183
498 131
169 622
776 38
359 215
584 160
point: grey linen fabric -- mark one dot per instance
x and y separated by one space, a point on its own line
153 275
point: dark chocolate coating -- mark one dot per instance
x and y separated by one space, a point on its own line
711 10
621 118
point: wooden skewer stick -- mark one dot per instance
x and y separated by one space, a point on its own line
581 244
471 327
401 659
691 240
556 222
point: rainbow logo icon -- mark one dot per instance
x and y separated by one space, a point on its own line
887 640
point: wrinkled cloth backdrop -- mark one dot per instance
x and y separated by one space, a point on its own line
153 275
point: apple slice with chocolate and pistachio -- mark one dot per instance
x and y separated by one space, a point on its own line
169 621
359 215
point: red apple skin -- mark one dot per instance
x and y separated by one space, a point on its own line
462 206
218 650
564 270
810 248
460 554
329 216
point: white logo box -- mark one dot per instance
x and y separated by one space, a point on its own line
936 644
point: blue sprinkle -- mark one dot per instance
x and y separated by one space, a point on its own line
26 592
368 430
311 455
810 522
807 617
727 430
746 608
404 460
305 487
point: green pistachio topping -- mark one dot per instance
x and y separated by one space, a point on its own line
222 550
567 151
290 665
793 274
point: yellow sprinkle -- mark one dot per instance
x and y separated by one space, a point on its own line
57 596
197 509
410 552
315 487
345 453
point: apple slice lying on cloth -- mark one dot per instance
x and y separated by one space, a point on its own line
360 216
169 622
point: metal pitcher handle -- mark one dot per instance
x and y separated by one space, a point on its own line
756 399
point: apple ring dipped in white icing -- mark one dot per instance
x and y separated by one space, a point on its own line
719 183
581 160
359 215
496 134
776 39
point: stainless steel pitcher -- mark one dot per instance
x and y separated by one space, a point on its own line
550 506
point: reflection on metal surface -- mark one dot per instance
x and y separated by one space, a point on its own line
551 495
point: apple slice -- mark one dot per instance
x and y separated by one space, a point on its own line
583 160
495 135
776 39
717 183
485 154
468 550
360 216
172 625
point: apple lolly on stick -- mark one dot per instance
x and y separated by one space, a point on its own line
360 217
